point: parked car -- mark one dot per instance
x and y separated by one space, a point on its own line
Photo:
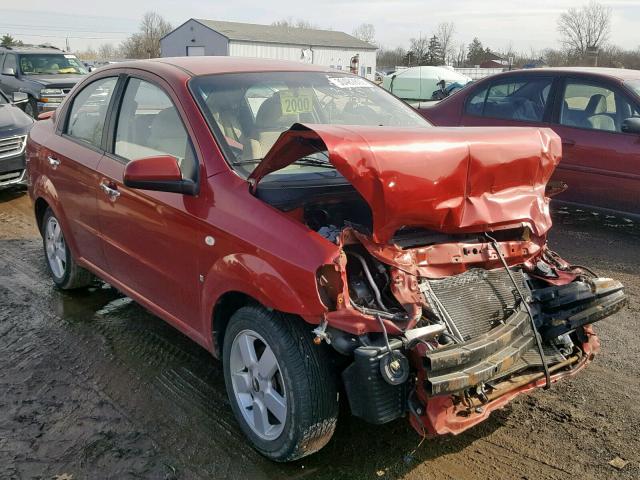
14 127
311 230
596 112
45 74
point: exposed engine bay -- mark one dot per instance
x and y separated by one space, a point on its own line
451 313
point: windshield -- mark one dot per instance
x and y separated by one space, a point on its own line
634 85
51 64
247 112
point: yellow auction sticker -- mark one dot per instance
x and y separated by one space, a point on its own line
295 102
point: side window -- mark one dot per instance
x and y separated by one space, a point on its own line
588 105
515 99
475 105
149 124
88 111
10 62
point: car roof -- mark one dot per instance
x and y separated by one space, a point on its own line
27 49
621 74
205 65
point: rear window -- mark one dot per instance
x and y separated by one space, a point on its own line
634 85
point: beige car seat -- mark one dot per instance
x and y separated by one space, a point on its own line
597 114
270 123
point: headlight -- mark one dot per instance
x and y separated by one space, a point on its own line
50 91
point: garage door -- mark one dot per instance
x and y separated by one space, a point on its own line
195 51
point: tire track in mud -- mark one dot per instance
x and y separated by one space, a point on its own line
138 344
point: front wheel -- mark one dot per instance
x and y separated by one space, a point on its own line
281 386
64 270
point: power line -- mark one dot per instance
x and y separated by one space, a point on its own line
63 35
49 28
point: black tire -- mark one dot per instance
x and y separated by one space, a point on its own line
31 108
73 276
311 389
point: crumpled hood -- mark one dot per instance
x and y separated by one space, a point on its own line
451 180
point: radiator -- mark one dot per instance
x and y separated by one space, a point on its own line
478 299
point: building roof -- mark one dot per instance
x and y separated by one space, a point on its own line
251 32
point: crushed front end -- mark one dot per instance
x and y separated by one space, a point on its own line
443 299
448 350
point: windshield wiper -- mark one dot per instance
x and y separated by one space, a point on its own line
313 163
301 161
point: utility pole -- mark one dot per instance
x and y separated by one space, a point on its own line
67 42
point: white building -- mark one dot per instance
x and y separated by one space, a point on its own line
321 47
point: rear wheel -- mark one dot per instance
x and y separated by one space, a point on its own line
64 270
281 386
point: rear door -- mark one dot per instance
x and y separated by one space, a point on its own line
152 239
72 162
599 161
512 101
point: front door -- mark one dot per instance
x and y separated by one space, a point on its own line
152 240
599 161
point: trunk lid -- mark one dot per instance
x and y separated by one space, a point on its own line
446 179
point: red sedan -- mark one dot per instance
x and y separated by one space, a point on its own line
318 236
596 112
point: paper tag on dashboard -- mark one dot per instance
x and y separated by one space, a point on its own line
350 82
293 103
69 56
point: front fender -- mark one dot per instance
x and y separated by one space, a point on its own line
293 291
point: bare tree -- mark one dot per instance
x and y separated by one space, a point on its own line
146 43
390 58
418 49
445 33
585 28
291 23
365 32
107 51
461 55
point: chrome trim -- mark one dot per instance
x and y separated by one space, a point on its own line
19 142
14 181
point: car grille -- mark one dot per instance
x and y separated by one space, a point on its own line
12 146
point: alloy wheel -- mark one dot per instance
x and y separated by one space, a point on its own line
55 248
258 385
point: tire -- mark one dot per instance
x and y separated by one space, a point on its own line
64 270
31 108
303 378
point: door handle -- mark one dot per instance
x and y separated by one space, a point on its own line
54 162
567 142
112 192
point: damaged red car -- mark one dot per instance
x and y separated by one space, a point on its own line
320 238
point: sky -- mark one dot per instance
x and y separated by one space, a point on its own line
521 25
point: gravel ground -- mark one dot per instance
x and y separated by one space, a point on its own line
92 386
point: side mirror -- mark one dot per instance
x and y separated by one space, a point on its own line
9 71
161 173
19 97
631 125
